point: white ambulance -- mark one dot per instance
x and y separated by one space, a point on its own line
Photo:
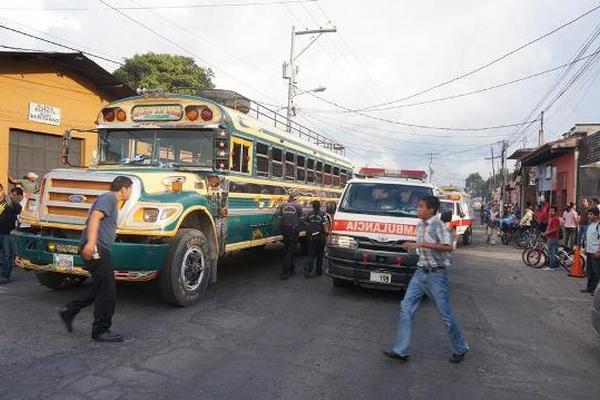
461 224
377 213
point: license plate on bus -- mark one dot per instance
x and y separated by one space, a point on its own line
381 277
63 261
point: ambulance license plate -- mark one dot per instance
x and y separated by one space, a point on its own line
381 277
63 261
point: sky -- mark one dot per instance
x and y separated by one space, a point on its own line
382 51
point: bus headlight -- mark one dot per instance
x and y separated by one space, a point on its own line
153 215
346 242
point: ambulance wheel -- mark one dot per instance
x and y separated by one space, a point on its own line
58 281
337 282
187 269
467 237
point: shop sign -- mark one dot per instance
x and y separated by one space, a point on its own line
44 114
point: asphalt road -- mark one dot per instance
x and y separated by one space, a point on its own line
256 337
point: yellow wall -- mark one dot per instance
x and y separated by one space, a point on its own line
39 82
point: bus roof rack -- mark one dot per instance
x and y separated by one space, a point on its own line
236 101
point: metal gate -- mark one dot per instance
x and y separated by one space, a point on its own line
38 152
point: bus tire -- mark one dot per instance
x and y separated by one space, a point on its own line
187 269
467 237
58 281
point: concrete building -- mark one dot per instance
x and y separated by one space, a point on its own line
43 94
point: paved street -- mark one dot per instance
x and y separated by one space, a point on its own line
255 337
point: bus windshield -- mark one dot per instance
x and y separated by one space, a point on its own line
158 147
383 199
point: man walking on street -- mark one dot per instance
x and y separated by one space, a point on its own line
316 229
552 233
582 222
10 208
291 217
434 244
96 241
592 251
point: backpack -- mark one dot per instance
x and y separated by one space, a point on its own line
315 225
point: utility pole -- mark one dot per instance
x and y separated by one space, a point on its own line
291 67
431 165
493 171
504 148
541 133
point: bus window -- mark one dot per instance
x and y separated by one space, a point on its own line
277 162
336 176
241 155
262 159
290 166
300 168
343 177
319 172
310 170
327 174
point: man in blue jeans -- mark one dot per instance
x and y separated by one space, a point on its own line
10 208
434 244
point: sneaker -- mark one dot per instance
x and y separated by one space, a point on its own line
456 358
396 356
67 318
108 336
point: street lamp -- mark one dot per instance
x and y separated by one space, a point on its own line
318 89
291 68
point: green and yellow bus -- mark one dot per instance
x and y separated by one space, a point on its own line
208 179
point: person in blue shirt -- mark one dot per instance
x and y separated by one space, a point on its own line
95 249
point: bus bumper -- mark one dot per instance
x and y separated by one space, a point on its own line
130 261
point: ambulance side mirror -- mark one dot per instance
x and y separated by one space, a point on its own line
446 216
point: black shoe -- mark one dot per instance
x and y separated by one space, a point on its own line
108 336
456 358
67 318
396 356
586 291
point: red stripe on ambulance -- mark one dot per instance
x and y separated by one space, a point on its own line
375 227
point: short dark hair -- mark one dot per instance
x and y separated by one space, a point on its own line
119 183
554 208
316 204
431 202
17 190
594 210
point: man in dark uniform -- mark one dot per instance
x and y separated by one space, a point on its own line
316 229
291 217
96 241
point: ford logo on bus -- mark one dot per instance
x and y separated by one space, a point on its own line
77 198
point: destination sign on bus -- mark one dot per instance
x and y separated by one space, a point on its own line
154 112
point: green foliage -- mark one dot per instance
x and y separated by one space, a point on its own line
476 185
172 73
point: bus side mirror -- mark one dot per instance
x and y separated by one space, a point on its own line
446 216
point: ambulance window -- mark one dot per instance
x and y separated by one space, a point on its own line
446 206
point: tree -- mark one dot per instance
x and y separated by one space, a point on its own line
170 72
476 185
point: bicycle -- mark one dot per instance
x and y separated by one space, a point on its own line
538 257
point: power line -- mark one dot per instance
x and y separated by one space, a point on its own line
411 125
488 64
485 89
165 7
87 53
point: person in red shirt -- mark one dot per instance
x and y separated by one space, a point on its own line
552 233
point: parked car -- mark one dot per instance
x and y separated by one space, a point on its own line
596 311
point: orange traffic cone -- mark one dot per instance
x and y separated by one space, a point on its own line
577 268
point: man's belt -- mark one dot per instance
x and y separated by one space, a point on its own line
432 269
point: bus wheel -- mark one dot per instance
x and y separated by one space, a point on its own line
186 273
467 237
58 281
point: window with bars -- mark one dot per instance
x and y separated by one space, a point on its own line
290 166
310 170
327 174
262 159
300 168
319 172
277 162
336 176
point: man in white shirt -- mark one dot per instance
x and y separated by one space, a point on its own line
527 216
569 219
592 251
